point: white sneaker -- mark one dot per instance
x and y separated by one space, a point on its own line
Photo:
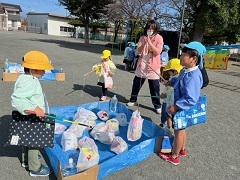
159 110
132 104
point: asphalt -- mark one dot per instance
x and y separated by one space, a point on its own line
213 147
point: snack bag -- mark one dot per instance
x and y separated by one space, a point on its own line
69 141
134 131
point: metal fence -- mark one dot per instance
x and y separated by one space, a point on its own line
34 29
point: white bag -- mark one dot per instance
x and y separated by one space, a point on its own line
118 145
100 132
87 158
59 128
77 129
89 143
113 126
108 81
84 114
69 141
103 115
135 127
122 119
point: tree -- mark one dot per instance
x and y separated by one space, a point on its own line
86 10
131 13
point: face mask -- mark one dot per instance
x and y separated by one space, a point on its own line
150 33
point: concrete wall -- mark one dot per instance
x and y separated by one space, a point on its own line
38 21
54 24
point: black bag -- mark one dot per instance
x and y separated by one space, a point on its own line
125 61
31 131
205 77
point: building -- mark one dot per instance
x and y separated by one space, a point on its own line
51 24
10 18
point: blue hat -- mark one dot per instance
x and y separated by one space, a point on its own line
132 44
166 47
199 48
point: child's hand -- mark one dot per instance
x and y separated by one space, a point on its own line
110 73
167 83
163 95
39 112
172 109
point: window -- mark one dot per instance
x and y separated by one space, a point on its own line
66 29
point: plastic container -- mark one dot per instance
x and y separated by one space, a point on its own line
70 168
113 104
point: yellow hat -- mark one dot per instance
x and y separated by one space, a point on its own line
105 54
173 64
36 60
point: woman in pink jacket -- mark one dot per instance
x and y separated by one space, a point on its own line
149 47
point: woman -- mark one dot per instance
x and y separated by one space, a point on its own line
148 66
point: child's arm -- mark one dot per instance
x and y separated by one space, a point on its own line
21 96
112 69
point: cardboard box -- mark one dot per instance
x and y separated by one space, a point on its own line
9 76
60 76
163 144
90 174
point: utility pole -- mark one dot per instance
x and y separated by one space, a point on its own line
180 34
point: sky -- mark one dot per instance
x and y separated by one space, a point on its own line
38 6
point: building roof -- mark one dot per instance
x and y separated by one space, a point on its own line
49 14
11 7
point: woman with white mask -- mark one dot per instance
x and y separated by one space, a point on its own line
148 66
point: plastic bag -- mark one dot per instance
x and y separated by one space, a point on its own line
122 119
69 141
118 145
108 82
84 114
134 131
87 158
59 128
89 143
77 129
100 132
113 126
103 115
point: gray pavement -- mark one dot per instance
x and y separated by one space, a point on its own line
213 147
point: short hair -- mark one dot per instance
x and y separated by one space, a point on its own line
192 53
151 24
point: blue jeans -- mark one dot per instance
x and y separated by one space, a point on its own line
154 87
164 113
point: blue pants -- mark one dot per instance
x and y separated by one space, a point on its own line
164 113
154 87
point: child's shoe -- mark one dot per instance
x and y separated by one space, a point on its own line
103 98
43 171
183 152
159 110
168 157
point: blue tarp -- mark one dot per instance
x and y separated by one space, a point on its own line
109 162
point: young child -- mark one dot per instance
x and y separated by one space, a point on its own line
164 55
28 95
173 68
186 94
106 69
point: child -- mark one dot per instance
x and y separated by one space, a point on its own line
173 68
28 95
186 94
164 55
130 57
106 70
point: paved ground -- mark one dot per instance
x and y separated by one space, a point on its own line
213 148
